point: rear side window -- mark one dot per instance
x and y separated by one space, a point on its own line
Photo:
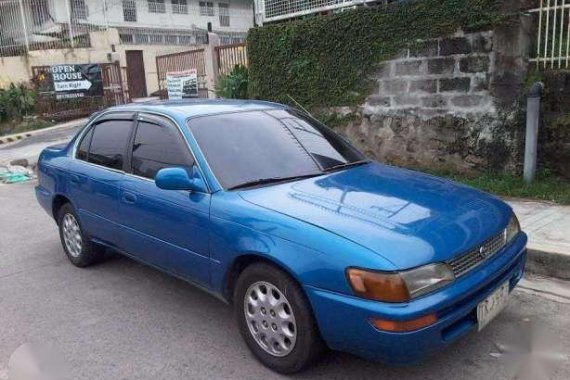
109 142
83 149
157 147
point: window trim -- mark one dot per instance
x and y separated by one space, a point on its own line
158 117
286 108
133 10
207 8
226 6
160 122
98 119
87 134
156 10
178 8
133 115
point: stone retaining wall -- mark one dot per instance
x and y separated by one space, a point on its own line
452 103
443 76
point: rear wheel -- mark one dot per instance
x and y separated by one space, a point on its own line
78 248
275 319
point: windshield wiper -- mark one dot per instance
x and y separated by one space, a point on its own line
346 165
266 181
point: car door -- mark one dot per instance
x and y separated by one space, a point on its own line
96 172
165 228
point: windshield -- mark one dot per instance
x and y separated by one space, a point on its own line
258 146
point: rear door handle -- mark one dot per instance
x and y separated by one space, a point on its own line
74 178
129 198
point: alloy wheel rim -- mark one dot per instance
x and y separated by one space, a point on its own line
270 318
72 235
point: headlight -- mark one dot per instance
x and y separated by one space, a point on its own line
400 286
513 228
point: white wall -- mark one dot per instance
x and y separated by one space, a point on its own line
19 69
241 15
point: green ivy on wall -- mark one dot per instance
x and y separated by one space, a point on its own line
328 61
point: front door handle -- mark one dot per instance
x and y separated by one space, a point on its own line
129 198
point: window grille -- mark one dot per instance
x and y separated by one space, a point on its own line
206 8
78 10
224 12
130 10
553 34
156 6
180 6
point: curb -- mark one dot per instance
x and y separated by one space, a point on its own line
20 136
548 263
14 138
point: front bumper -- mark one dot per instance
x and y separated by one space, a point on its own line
344 320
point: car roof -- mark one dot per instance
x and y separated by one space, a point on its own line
188 108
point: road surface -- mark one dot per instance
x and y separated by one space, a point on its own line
30 147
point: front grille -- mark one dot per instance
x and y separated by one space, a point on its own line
477 255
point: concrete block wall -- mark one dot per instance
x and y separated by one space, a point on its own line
447 75
451 103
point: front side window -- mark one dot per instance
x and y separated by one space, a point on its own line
206 8
250 146
157 147
156 6
109 142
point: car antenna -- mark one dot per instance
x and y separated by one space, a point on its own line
300 106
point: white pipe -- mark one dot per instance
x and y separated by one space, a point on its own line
555 21
105 14
561 35
546 34
568 41
71 37
531 140
539 32
25 27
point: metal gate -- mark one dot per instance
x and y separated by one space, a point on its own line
229 56
553 34
48 106
186 60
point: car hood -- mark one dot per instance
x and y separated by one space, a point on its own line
409 218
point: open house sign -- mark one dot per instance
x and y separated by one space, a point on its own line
77 81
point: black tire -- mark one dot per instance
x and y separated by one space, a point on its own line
90 253
309 345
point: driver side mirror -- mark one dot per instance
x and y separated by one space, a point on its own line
178 179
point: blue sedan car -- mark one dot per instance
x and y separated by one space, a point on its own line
314 245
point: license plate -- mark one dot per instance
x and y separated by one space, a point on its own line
490 307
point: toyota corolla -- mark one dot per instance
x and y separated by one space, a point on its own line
313 244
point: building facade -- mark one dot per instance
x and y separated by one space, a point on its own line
46 32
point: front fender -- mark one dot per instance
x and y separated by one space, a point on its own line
313 256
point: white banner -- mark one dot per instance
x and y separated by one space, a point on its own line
182 84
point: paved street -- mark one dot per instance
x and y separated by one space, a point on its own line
121 320
31 147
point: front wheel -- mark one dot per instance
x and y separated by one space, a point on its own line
275 319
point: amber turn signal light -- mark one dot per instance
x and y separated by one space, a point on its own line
404 326
387 287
